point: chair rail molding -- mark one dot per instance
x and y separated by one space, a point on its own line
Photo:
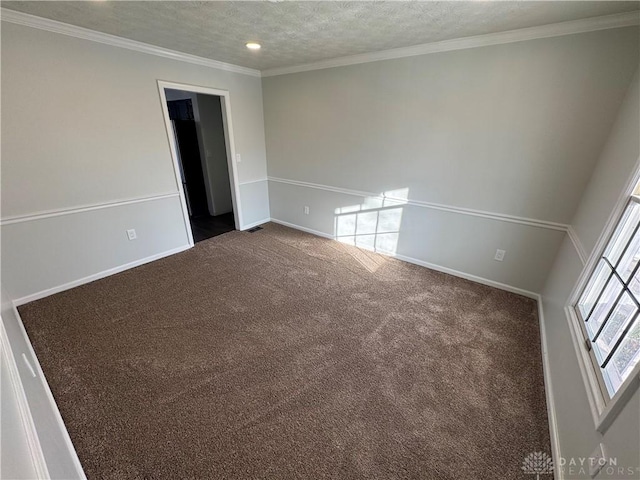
85 208
533 222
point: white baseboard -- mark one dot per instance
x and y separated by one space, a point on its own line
303 229
467 276
555 445
97 276
422 263
551 413
37 369
255 224
548 388
33 441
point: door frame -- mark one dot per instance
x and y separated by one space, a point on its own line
229 143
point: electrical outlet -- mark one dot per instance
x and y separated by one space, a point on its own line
306 210
238 158
499 255
131 234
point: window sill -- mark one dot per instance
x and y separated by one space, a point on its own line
618 402
603 410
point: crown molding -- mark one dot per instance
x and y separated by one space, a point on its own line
531 33
605 22
54 26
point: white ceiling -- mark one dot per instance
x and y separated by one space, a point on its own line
294 33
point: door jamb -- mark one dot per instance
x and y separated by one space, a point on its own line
229 138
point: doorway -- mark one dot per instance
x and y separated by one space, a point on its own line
198 128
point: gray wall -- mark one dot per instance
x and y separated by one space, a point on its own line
16 461
207 112
577 434
514 130
215 152
61 462
82 125
171 95
612 171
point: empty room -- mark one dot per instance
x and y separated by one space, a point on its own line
316 239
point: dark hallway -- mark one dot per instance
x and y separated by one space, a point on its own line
202 156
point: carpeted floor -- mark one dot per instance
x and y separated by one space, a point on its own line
280 355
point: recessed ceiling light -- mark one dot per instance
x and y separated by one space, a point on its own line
253 46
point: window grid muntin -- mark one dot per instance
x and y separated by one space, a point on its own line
622 337
603 379
597 299
617 233
610 312
624 254
625 288
615 329
634 325
612 281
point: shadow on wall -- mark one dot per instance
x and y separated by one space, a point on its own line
374 224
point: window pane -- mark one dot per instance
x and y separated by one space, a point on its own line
594 288
623 233
634 284
629 258
623 360
605 303
622 314
609 304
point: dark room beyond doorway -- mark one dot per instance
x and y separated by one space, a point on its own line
198 128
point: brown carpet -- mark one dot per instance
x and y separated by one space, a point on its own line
278 354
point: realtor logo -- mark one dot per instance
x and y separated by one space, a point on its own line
537 463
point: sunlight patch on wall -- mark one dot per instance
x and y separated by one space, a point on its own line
374 224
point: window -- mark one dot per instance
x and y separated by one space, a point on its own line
610 302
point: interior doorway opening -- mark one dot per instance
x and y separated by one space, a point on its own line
199 137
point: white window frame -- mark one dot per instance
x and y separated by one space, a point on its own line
603 409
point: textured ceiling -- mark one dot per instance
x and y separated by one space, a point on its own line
294 33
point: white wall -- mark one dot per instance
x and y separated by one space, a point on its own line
255 193
82 125
16 460
612 171
461 243
61 460
577 434
513 130
183 95
215 152
207 112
